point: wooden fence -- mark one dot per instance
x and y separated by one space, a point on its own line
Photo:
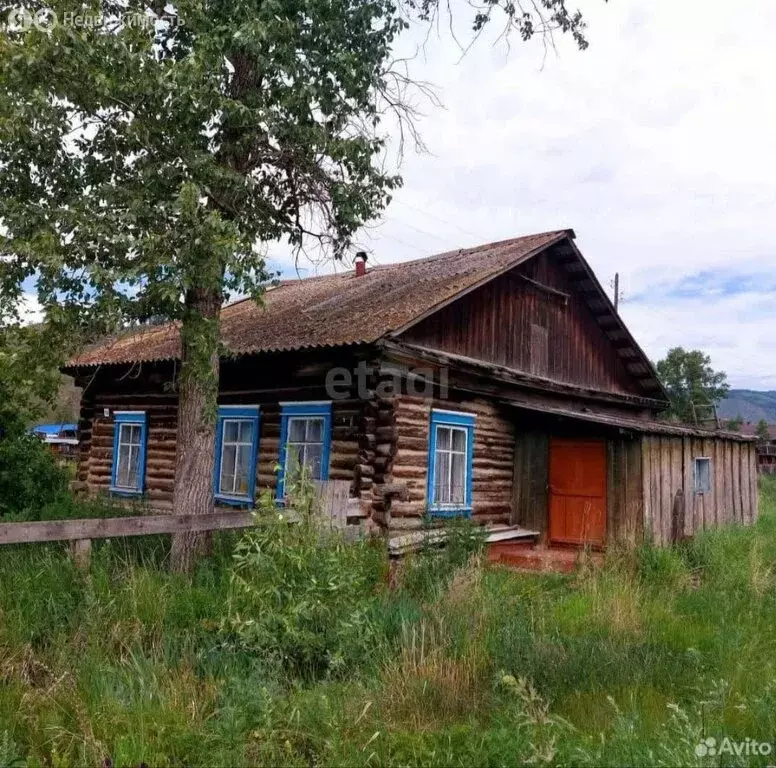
332 503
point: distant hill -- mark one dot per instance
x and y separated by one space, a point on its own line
750 404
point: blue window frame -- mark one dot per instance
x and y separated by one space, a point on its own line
237 448
130 436
305 440
450 460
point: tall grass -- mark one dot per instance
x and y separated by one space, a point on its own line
632 664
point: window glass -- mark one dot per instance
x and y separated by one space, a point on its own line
128 473
450 461
236 450
458 478
304 447
702 475
296 430
442 477
314 430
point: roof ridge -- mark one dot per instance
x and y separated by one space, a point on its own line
441 254
357 310
480 247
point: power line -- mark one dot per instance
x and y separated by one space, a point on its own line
440 219
398 240
424 232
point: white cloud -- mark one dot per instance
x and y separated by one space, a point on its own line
734 330
655 144
30 309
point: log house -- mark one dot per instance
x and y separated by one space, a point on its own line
495 382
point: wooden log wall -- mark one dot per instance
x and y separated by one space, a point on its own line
150 392
672 508
96 458
380 438
493 459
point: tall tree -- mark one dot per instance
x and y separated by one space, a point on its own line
690 380
146 152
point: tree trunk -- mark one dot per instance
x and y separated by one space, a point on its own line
197 404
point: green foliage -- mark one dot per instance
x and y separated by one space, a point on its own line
689 378
29 478
628 665
10 757
768 492
65 506
64 407
301 596
425 574
29 378
163 153
734 424
762 431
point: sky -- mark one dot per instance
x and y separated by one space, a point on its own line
656 145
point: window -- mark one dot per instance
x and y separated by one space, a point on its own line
450 463
305 441
129 452
702 475
237 443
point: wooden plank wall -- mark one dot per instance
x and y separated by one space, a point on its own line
668 468
625 516
529 489
494 448
578 352
625 504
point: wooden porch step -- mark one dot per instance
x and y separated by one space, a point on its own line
497 535
523 557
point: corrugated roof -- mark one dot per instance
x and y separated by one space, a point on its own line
335 310
648 426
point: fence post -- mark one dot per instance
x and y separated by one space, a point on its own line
82 553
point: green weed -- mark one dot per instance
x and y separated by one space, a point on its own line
287 648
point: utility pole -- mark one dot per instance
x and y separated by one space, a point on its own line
616 290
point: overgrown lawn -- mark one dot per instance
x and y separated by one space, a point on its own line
459 665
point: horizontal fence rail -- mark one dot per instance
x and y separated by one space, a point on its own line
115 527
332 501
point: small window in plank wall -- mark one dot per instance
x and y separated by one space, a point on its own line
702 475
539 350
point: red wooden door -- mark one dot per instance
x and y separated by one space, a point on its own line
578 492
